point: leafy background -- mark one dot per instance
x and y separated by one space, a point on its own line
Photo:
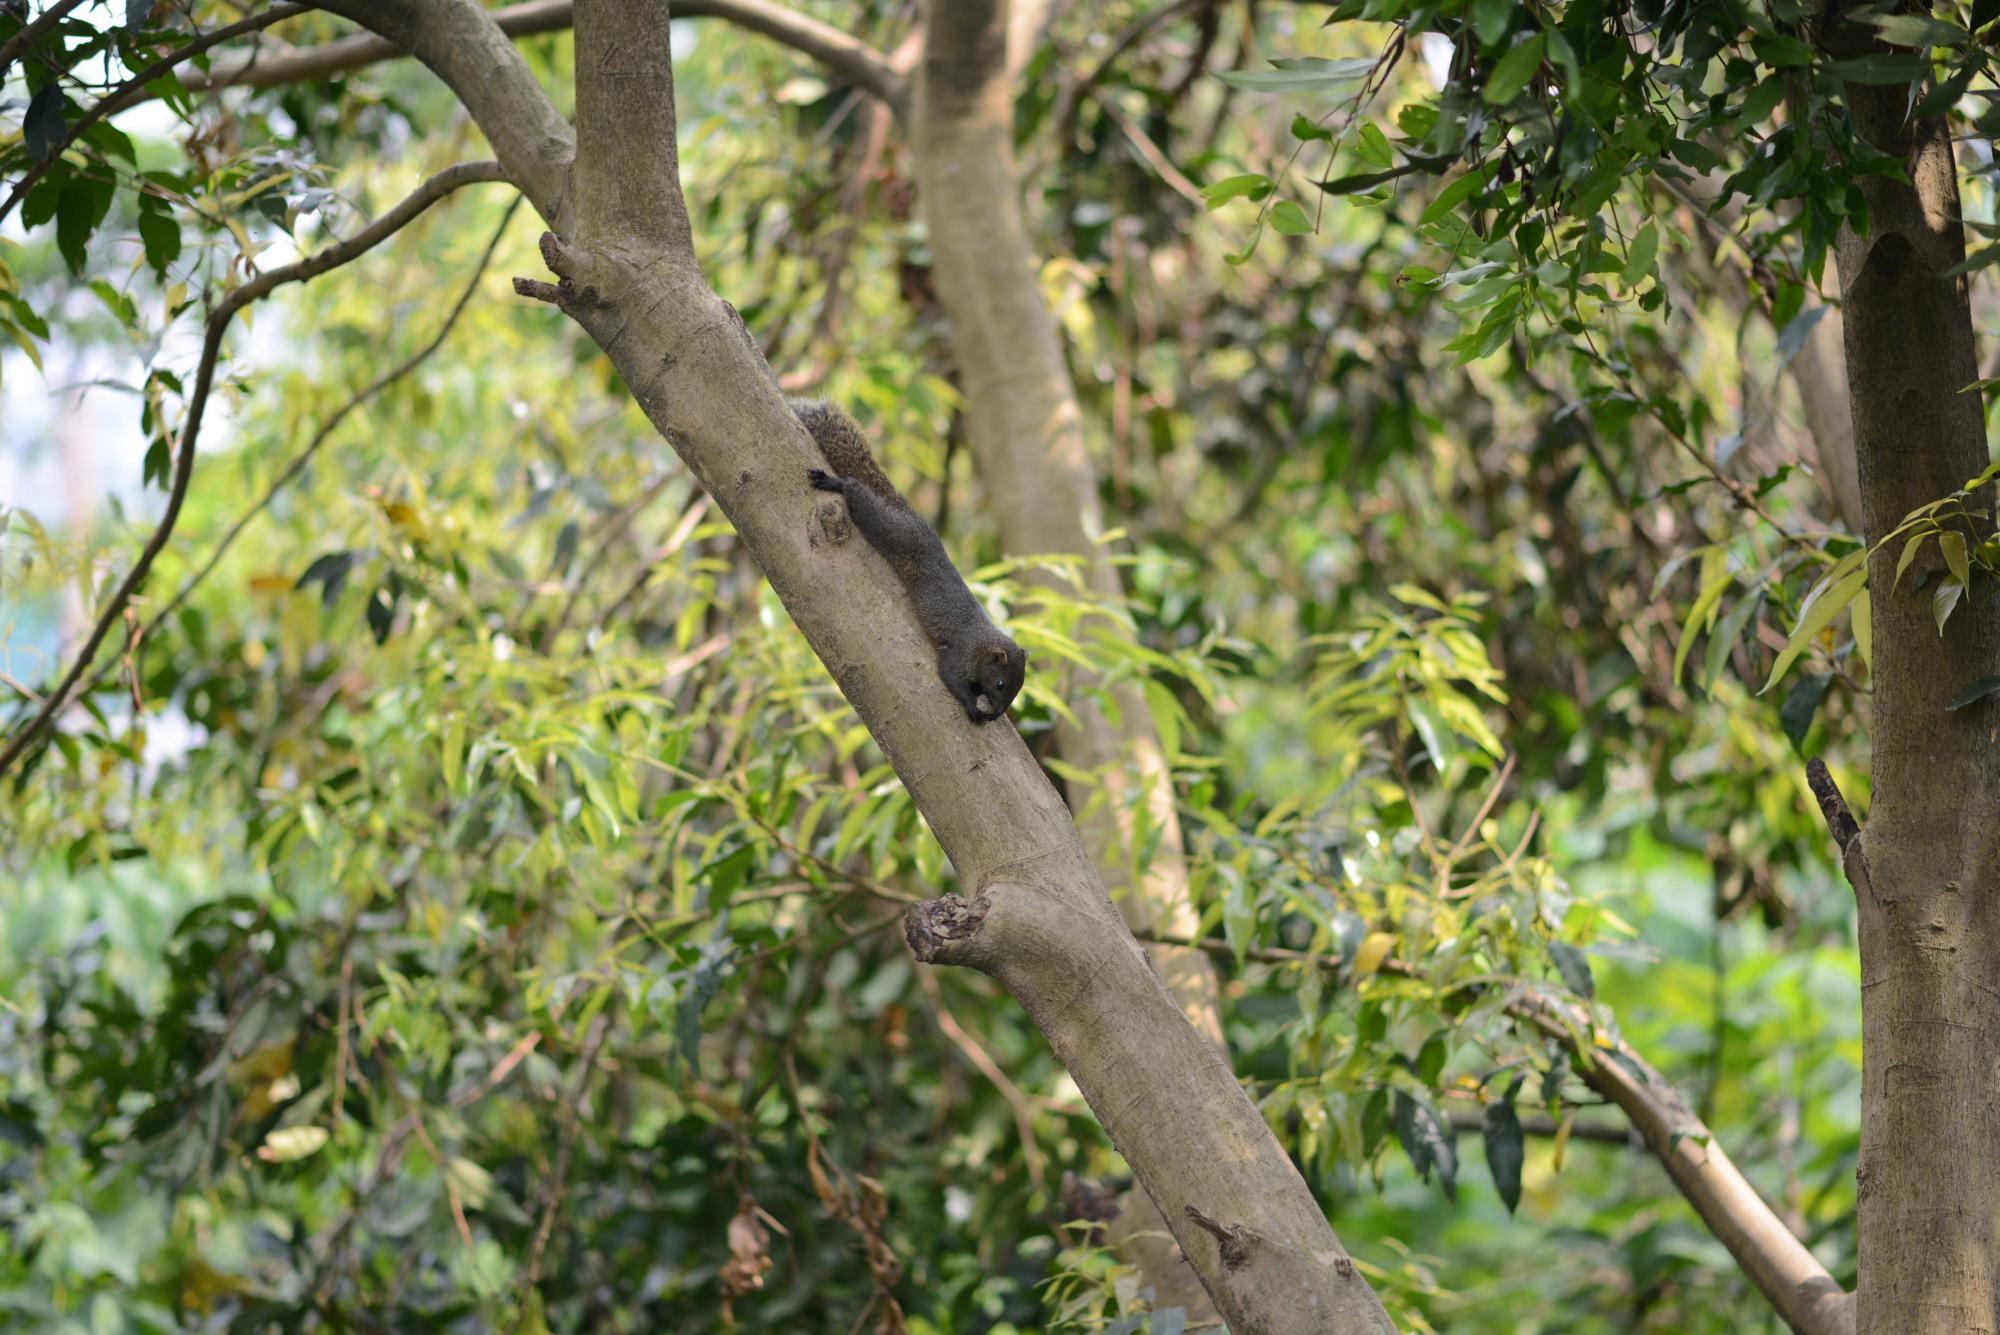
473 906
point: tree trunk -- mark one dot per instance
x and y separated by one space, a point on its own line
1928 882
1035 915
1027 434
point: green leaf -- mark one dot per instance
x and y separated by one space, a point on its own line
1724 637
1458 191
161 236
1431 1058
1430 726
158 464
79 209
1883 68
1427 1143
1979 690
1953 546
381 612
1574 968
1781 52
42 126
451 766
330 573
1372 147
1247 186
1639 260
1513 70
1239 911
1909 555
703 982
1822 605
1490 19
1500 1126
1309 130
1801 704
1944 601
1917 30
1288 219
1716 579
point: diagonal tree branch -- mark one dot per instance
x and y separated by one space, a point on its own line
1792 1280
1797 1286
460 43
374 234
847 56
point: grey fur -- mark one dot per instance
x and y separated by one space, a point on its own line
981 667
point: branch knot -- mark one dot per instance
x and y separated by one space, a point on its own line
1231 1243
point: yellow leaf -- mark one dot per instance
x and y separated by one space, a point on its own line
291 1142
1373 951
263 1064
201 1285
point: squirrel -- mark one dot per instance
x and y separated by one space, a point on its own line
981 667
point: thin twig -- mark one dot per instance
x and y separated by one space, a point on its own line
982 1060
1485 809
532 1274
1840 823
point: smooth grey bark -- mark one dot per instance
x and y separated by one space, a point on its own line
1036 915
1927 866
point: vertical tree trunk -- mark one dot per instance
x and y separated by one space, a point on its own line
1027 434
1929 895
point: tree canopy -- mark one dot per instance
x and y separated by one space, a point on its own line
462 870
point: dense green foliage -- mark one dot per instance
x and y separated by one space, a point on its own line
469 904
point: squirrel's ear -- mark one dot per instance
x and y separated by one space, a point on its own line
996 654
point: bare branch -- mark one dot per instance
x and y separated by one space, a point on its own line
1791 1279
460 43
267 69
378 231
1840 823
847 56
1544 1126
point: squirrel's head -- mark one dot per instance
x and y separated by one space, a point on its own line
997 673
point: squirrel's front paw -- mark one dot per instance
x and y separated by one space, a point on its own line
824 480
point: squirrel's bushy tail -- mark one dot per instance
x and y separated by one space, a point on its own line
845 448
